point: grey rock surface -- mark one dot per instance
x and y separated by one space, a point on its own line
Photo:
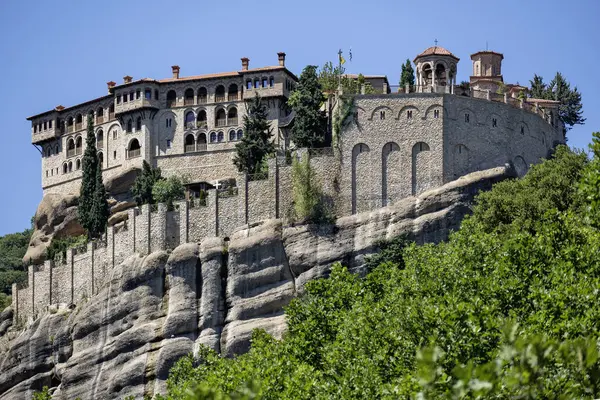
154 309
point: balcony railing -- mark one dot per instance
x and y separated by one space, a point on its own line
219 98
188 102
99 120
70 152
100 144
232 97
202 99
232 121
190 148
171 103
78 126
111 116
134 153
78 151
201 147
221 122
70 128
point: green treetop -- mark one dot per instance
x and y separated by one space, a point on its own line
570 110
256 144
143 184
407 76
310 123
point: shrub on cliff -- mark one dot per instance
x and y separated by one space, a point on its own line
310 205
507 308
168 190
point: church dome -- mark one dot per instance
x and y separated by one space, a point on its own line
438 51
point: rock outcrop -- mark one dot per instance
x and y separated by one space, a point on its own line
154 309
56 215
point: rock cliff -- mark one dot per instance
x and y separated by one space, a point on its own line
154 309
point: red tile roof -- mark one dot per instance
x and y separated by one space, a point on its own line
438 51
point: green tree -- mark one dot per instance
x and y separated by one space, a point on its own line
407 76
12 249
330 78
256 144
309 202
168 190
92 210
310 123
570 109
144 183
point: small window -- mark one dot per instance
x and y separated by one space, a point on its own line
125 98
232 136
436 113
131 96
129 126
168 143
137 94
115 134
494 122
118 99
381 114
248 84
213 137
50 124
220 137
264 82
409 114
256 84
148 94
240 134
45 125
114 155
272 82
155 94
46 173
138 124
467 117
35 129
522 130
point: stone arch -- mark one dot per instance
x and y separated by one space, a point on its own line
460 160
133 148
376 114
462 116
360 177
220 117
171 99
79 145
188 97
403 113
391 178
202 95
429 110
520 166
421 167
189 119
189 143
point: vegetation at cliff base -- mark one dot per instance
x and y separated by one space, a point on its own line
507 308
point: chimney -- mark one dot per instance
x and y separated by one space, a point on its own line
110 85
127 79
175 69
281 57
245 63
59 107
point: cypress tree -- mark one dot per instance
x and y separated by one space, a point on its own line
407 77
310 123
143 184
256 143
92 210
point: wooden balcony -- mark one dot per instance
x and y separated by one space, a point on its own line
70 153
79 126
232 121
134 153
202 99
221 122
190 148
201 147
219 98
233 97
99 120
100 144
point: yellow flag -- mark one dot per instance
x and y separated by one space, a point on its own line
342 59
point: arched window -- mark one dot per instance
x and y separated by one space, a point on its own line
155 94
232 116
232 136
65 170
70 166
148 94
134 149
78 122
48 151
202 95
220 136
264 82
78 145
256 83
201 122
220 119
100 139
271 81
77 164
188 99
129 125
190 143
101 159
220 93
201 142
111 112
138 124
249 84
213 137
171 99
70 124
232 94
70 147
190 120
240 134
100 115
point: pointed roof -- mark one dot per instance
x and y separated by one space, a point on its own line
438 51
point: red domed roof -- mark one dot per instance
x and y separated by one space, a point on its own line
438 51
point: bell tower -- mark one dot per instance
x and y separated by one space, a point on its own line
487 70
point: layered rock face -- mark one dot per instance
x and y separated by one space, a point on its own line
154 309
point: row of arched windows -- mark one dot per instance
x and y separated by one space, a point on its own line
193 143
257 83
75 123
135 95
222 118
192 97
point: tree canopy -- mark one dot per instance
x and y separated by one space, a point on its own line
570 110
144 183
256 144
12 249
330 78
407 76
310 122
507 308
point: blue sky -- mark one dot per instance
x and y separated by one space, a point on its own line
64 52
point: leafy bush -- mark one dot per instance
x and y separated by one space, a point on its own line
12 249
168 190
59 246
43 395
310 204
507 308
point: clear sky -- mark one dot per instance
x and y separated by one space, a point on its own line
64 52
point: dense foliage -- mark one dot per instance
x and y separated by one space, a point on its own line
168 190
331 78
310 204
407 76
93 210
507 308
144 183
12 249
256 144
570 110
310 122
